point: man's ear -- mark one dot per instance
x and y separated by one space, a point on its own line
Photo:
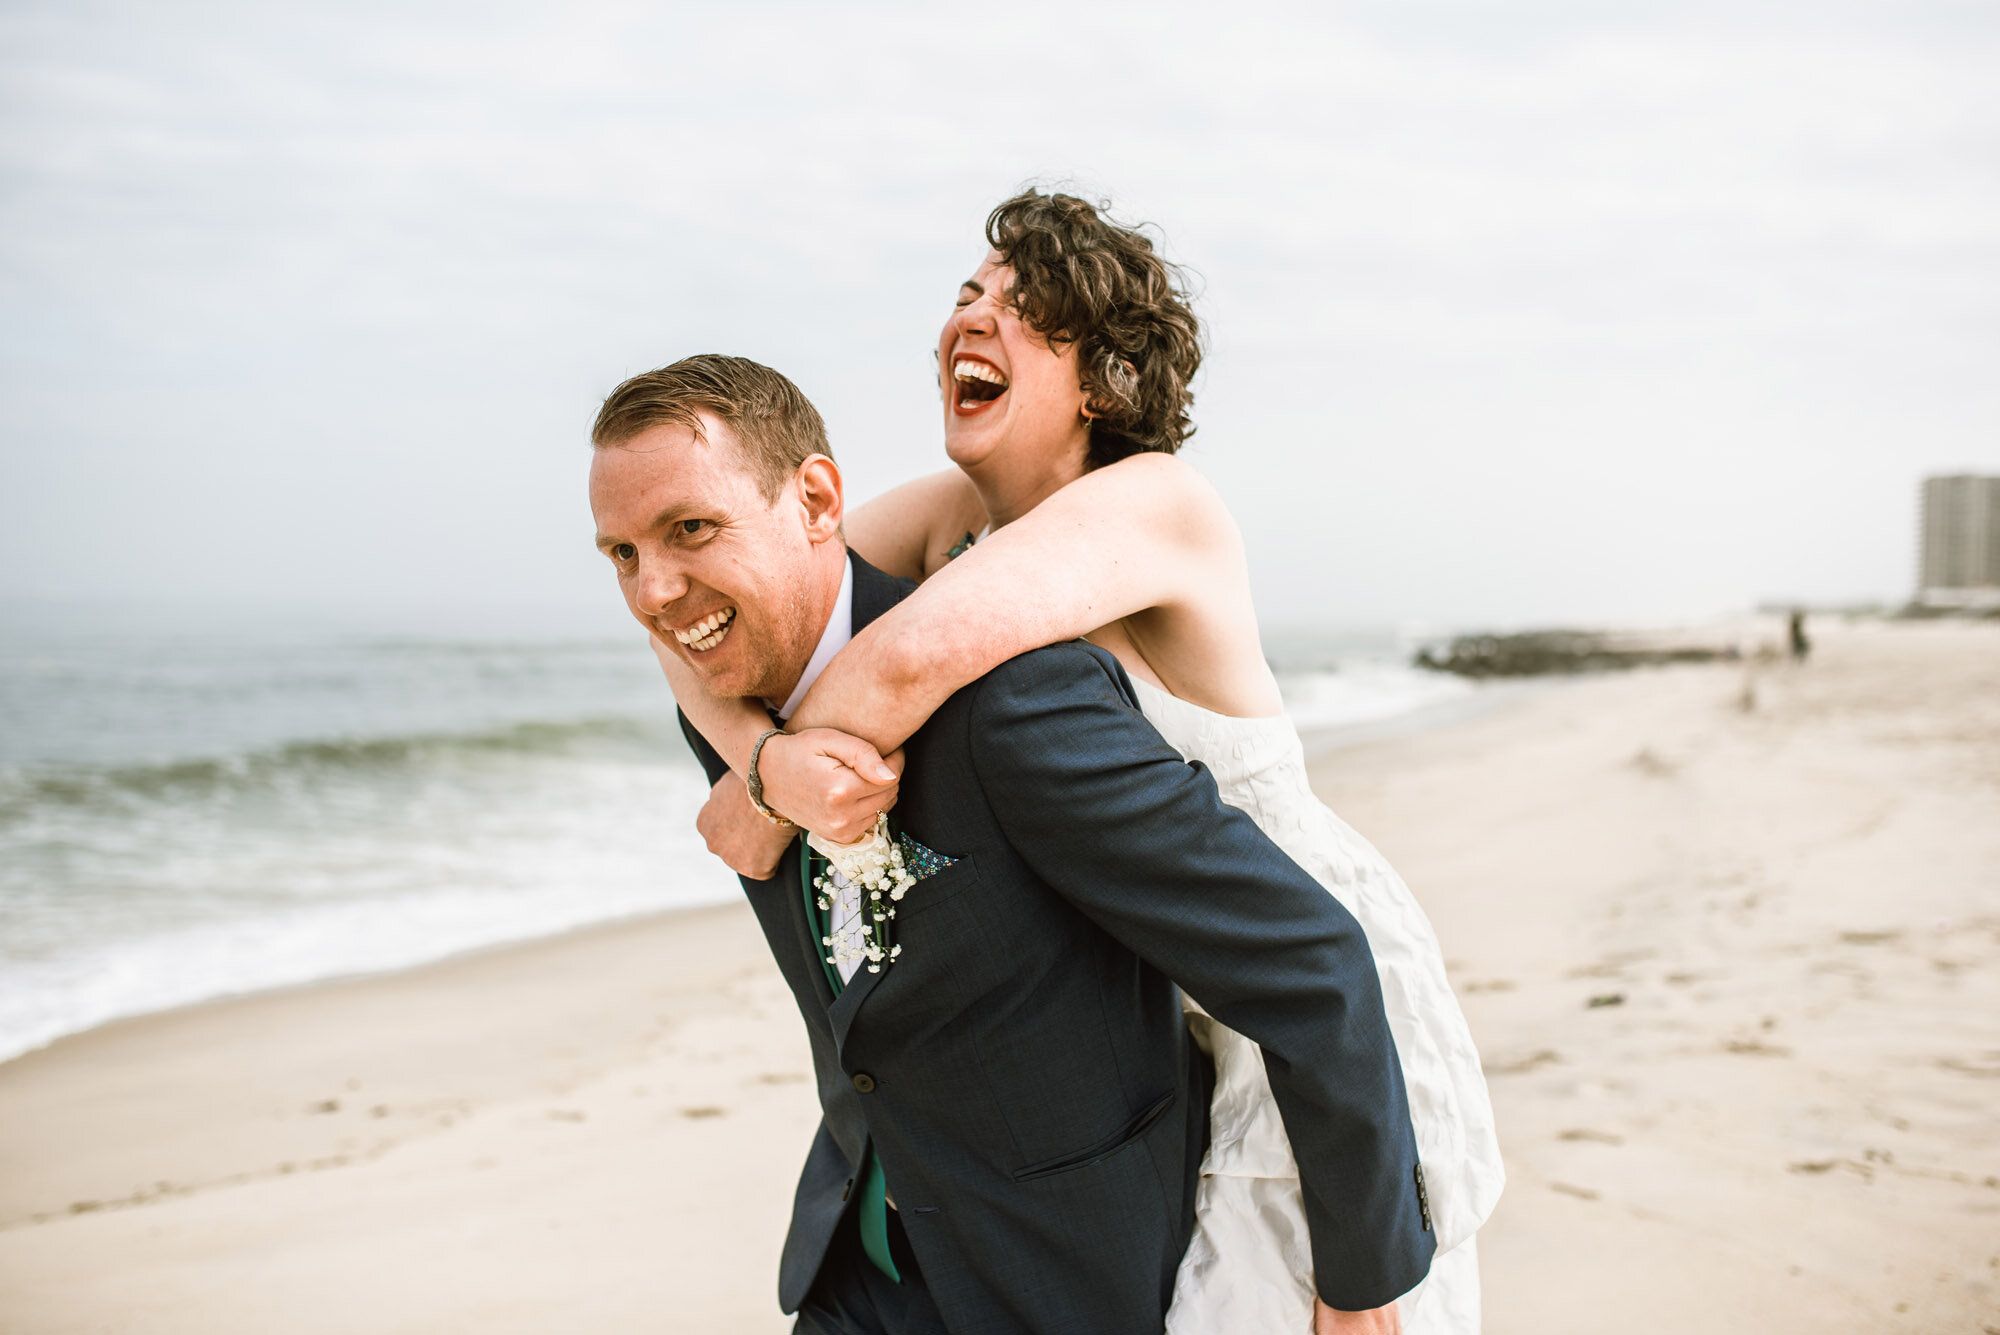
821 496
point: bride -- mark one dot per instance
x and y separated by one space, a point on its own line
1066 366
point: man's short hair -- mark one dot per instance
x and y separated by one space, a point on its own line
776 426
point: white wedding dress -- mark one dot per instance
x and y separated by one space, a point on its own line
1248 1269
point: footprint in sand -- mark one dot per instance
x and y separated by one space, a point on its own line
1612 966
1595 1137
1522 1065
1986 1067
1819 1166
1650 762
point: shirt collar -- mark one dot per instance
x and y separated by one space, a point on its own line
839 630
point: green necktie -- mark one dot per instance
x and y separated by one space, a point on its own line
873 1209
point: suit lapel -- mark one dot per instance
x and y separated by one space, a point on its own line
848 1003
842 999
787 883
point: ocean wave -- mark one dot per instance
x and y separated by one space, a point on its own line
227 925
160 847
1363 691
164 885
27 790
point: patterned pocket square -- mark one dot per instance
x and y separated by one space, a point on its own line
921 862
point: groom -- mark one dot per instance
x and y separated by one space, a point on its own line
1014 1115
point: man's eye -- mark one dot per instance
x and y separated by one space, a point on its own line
690 527
624 551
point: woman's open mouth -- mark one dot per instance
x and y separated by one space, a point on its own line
976 385
708 632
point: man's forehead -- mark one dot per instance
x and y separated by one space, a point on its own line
678 439
674 449
666 465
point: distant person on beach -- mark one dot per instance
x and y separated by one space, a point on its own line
1801 646
1014 1112
1067 365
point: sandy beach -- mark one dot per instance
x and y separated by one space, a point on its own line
1727 936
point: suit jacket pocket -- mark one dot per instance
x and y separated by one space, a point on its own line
1104 1149
938 887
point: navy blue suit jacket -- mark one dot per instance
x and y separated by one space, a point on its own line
1023 1069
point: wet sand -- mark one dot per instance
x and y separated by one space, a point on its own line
1733 970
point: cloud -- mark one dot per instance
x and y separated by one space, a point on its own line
1570 314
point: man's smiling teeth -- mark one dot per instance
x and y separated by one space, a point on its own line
706 633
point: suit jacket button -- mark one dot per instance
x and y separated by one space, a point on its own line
864 1082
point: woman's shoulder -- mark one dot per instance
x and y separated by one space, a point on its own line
947 487
909 530
1176 495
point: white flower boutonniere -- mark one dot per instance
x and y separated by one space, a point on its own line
874 865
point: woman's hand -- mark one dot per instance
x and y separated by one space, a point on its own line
821 780
737 832
828 782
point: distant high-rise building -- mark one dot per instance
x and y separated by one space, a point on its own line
1961 544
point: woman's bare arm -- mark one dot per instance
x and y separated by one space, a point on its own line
908 531
905 531
825 780
731 726
895 532
1147 532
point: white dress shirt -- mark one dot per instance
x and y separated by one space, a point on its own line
847 922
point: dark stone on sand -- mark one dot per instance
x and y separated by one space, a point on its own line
1544 653
1917 611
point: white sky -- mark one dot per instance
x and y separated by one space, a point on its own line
1535 313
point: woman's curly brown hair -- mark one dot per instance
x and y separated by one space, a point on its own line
1081 278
